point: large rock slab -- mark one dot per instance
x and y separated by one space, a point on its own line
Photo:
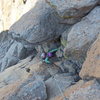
15 53
58 83
71 10
38 25
24 90
68 66
91 67
29 67
5 43
81 91
89 92
12 51
14 73
99 3
82 35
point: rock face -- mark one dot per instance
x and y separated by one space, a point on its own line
12 10
32 90
13 77
48 26
90 92
16 83
5 43
48 46
15 53
81 91
99 3
26 68
11 51
38 25
91 67
82 35
14 73
71 10
69 66
61 81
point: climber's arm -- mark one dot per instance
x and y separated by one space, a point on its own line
54 50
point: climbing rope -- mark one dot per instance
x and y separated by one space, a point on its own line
59 88
46 60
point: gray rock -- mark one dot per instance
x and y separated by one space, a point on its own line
91 66
15 53
82 35
15 73
71 10
69 66
24 90
12 51
38 25
54 44
60 80
99 3
5 43
26 68
42 69
59 53
32 91
91 92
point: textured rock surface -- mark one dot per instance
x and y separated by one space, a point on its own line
38 25
69 66
26 68
48 46
32 90
91 92
28 90
48 26
14 73
83 34
71 10
61 81
15 53
91 67
99 3
12 51
12 10
81 91
5 43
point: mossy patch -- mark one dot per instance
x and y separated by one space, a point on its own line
64 42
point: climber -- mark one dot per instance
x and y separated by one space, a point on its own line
46 56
